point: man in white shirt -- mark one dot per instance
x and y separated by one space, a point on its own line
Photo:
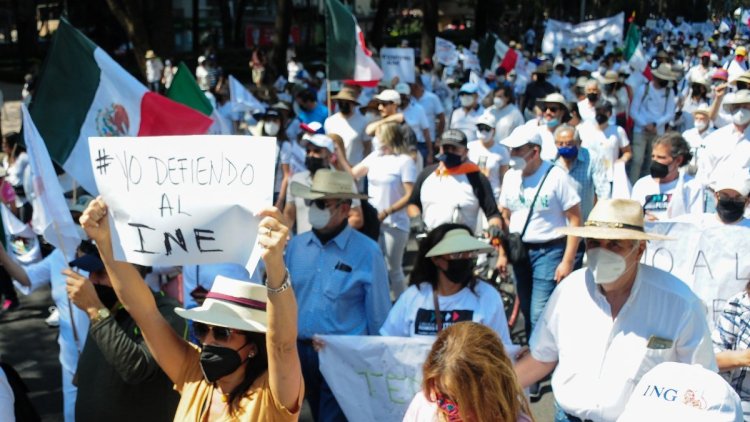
416 118
154 69
491 157
350 125
606 325
465 117
607 143
551 255
696 137
587 106
652 108
432 106
554 112
505 113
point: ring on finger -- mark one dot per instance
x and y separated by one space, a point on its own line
270 230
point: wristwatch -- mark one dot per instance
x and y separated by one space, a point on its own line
285 285
101 314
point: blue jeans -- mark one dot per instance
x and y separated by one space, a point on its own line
323 404
422 148
535 280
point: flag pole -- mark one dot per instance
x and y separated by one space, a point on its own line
328 92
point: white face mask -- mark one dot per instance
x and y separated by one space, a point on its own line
318 218
741 116
605 265
701 126
271 128
517 163
466 100
498 102
483 134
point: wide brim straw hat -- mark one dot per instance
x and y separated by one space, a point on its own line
616 219
664 72
328 184
346 94
236 304
458 240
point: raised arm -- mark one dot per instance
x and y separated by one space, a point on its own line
284 370
167 347
14 269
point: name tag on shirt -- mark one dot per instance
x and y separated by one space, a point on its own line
425 324
658 202
659 343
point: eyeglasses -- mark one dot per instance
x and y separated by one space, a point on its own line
551 108
484 127
220 333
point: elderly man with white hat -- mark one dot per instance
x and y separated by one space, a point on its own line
464 118
652 108
606 325
340 279
728 147
536 198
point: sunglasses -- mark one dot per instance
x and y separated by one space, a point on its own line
484 127
462 255
220 333
551 108
320 203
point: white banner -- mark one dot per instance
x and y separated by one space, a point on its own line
176 200
566 35
445 52
397 62
713 261
374 378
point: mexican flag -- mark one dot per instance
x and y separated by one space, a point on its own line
82 92
634 53
347 57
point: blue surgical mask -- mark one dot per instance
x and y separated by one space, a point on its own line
553 123
567 152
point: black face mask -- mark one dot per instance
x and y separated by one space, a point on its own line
314 164
345 107
705 61
601 118
107 295
460 271
659 83
218 361
593 98
730 210
541 78
449 159
659 170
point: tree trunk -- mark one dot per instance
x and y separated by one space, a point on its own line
196 25
129 13
282 28
429 27
25 17
238 37
375 37
226 22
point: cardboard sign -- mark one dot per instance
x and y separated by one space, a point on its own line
397 62
177 200
445 52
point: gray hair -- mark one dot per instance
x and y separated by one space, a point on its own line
593 83
566 128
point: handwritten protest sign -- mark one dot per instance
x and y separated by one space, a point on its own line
445 52
713 261
184 199
374 378
397 62
560 34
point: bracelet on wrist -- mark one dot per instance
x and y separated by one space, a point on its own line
284 285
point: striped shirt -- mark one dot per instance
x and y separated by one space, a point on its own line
732 332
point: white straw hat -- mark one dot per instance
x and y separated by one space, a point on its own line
614 219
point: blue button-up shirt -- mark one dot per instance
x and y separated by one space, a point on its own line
341 287
589 180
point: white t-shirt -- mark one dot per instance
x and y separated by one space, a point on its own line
549 149
432 108
449 199
557 195
587 111
506 119
415 117
697 142
490 158
284 157
413 314
302 221
466 122
667 200
605 145
386 176
352 131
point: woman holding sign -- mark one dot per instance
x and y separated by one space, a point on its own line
248 368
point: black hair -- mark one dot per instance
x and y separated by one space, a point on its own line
254 368
508 92
424 269
306 95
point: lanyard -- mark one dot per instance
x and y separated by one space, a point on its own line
438 314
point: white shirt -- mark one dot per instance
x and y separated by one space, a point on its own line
415 117
49 271
154 69
727 150
601 359
7 399
352 131
413 314
697 142
549 149
466 122
684 195
448 199
386 176
492 159
506 119
587 111
432 108
652 105
557 195
605 145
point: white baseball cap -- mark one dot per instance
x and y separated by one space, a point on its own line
389 96
522 135
486 119
321 141
673 391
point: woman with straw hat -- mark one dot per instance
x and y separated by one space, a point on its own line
248 368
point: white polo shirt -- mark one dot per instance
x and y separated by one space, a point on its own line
600 360
466 122
557 195
352 131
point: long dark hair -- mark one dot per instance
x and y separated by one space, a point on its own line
254 367
424 269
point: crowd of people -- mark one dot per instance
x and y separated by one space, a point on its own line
530 167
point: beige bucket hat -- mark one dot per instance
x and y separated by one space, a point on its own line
614 219
328 184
